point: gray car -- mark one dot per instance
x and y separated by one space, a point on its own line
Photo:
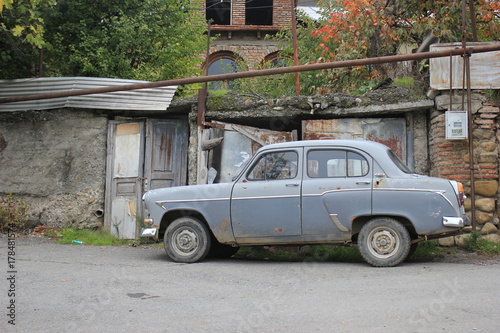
309 192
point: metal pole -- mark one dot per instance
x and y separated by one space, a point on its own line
471 143
466 85
260 72
202 93
295 46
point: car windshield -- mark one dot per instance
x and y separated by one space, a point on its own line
395 158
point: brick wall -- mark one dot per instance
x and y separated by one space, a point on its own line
281 12
450 158
249 42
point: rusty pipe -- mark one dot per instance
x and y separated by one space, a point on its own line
260 72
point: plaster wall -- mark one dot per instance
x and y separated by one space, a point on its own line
56 162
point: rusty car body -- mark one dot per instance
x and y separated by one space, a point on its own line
309 192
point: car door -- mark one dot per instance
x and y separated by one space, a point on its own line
265 200
337 187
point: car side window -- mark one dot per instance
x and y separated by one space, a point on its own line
328 163
280 165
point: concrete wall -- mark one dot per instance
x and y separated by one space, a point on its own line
56 161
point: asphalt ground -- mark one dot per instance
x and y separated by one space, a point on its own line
47 287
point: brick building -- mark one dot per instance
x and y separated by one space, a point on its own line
242 27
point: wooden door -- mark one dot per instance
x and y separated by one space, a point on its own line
124 178
166 153
141 156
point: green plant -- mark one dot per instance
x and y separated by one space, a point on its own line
471 242
428 249
475 243
12 214
89 237
406 82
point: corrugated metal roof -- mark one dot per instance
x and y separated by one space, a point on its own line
151 99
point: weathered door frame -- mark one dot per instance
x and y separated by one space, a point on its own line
130 192
127 197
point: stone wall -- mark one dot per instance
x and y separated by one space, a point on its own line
56 162
450 158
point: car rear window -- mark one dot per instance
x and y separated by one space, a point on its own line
400 164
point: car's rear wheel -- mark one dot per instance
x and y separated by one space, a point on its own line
384 242
187 240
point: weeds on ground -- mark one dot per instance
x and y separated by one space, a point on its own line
89 237
429 249
12 214
475 243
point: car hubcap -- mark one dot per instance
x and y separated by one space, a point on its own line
184 241
383 242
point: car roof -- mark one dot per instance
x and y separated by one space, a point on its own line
372 148
366 145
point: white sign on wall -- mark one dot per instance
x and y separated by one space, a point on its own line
456 125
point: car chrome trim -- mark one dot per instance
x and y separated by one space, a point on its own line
337 223
269 197
341 190
162 202
449 221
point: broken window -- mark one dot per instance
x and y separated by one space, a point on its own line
218 11
259 12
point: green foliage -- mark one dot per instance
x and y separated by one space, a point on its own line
154 40
267 87
475 243
89 237
357 29
21 36
429 249
406 82
12 214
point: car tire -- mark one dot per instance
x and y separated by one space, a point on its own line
413 248
187 240
384 242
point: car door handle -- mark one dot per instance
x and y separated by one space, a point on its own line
363 182
292 185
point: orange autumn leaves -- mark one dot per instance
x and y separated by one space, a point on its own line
371 28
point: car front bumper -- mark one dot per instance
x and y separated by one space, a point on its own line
150 232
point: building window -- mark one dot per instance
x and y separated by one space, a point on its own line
222 63
218 11
259 12
274 60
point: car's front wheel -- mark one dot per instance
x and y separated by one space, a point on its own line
384 242
187 240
